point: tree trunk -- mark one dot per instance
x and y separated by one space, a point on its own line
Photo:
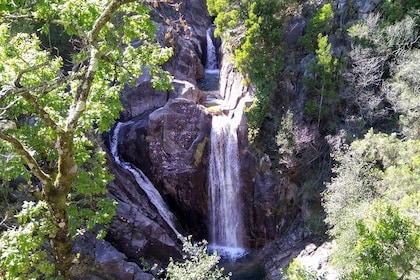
61 242
56 197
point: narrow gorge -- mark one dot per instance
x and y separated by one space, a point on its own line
192 145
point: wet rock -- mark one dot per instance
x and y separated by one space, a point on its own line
178 146
137 229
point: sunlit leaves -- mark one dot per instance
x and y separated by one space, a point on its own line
55 100
378 177
21 245
197 263
388 245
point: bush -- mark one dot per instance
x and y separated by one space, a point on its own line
377 170
197 264
388 245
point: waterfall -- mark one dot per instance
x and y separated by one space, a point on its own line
211 63
224 189
142 181
210 82
225 215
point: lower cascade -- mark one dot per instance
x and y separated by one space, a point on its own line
143 182
224 190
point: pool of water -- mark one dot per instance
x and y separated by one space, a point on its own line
210 81
245 268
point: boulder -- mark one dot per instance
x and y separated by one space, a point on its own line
178 138
100 260
142 98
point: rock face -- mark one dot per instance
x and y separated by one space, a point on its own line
167 140
178 138
109 262
137 229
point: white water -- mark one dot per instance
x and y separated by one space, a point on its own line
143 182
224 179
224 189
211 63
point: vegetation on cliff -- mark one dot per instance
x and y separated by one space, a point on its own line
360 97
254 30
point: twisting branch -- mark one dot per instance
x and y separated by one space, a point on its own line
43 87
31 18
104 18
16 82
30 160
41 112
10 105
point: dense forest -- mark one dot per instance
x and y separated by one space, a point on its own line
335 112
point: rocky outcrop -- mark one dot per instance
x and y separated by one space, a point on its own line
315 258
178 147
277 254
109 263
137 229
192 51
179 130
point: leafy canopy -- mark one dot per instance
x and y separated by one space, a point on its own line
55 100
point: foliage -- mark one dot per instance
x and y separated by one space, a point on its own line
21 245
320 23
52 111
229 15
285 138
322 83
388 245
378 54
403 91
377 170
296 271
197 264
393 10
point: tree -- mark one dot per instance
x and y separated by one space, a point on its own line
197 264
379 177
52 111
320 23
322 86
388 245
254 30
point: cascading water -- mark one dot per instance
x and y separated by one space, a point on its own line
210 81
224 189
143 182
211 63
224 180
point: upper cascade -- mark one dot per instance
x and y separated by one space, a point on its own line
211 63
